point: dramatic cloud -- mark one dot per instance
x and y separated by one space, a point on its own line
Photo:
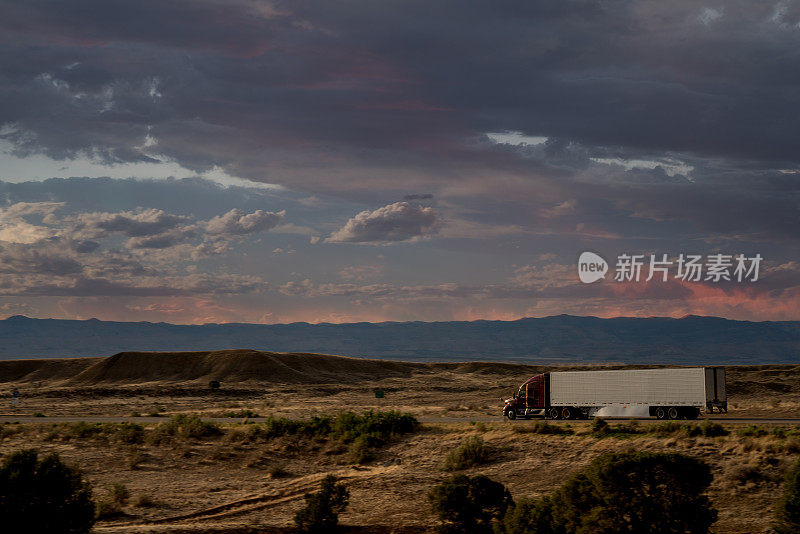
396 222
145 222
237 223
632 126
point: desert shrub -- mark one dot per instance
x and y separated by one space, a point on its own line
753 431
120 494
742 474
144 501
364 432
43 495
543 427
711 430
214 384
240 414
106 509
472 451
529 516
349 425
80 430
10 429
600 426
361 449
135 458
185 427
123 432
111 506
788 510
130 433
666 428
39 414
469 504
321 513
657 493
278 471
479 426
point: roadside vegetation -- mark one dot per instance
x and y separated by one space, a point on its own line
471 452
468 505
44 495
616 493
787 513
321 513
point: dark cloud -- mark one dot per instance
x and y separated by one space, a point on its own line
380 101
400 221
140 223
84 247
163 240
638 126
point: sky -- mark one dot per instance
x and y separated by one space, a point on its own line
273 162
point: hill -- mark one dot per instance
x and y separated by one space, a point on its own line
558 339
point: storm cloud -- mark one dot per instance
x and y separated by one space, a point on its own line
523 129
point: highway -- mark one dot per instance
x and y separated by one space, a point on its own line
27 419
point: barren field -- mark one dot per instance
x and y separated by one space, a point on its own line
229 482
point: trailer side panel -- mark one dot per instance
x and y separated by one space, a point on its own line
649 387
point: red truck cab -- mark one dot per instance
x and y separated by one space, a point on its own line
529 400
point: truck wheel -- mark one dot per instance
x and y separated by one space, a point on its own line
661 413
566 413
673 413
511 414
554 413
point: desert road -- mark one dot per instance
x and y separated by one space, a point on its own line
10 418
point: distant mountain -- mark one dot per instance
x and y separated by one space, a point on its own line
562 338
558 339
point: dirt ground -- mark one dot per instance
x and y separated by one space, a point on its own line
219 484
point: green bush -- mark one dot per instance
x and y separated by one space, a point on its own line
529 516
123 432
321 514
361 449
364 432
469 504
184 427
43 495
656 493
788 509
472 451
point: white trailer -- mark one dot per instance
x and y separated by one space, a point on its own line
664 393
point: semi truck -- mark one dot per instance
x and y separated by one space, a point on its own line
681 393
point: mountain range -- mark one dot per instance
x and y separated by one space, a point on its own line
557 339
